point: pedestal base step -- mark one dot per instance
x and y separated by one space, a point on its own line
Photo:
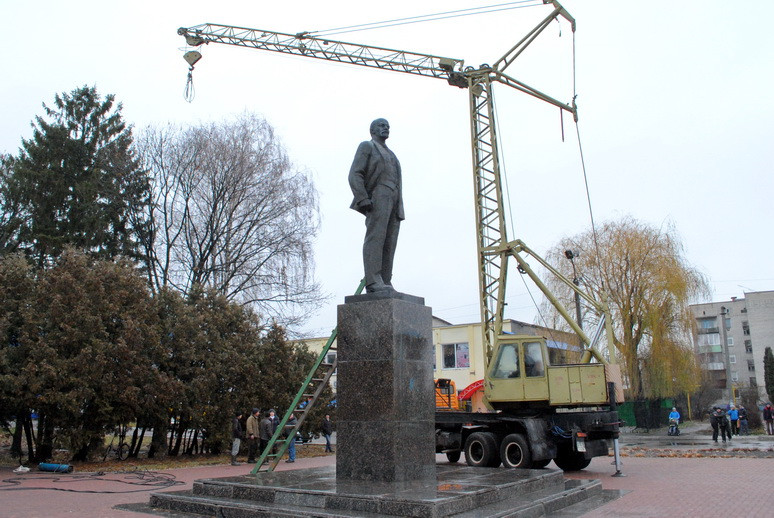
460 492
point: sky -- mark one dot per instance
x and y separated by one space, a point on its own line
676 120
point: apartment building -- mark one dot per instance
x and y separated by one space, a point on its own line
731 337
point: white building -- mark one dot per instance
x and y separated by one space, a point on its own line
731 337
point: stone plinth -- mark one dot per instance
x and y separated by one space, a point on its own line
386 401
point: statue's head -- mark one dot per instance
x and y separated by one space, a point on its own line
380 128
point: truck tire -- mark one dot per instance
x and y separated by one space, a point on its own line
514 452
481 450
453 456
571 461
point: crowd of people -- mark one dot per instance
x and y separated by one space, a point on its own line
258 432
727 422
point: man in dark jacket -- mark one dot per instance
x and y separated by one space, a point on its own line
327 430
719 421
236 435
266 431
768 417
743 427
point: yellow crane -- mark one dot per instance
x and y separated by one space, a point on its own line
494 247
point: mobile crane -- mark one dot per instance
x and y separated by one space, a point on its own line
565 413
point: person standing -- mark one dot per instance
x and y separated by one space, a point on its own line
743 428
719 422
274 420
290 433
375 180
733 415
252 427
768 418
266 431
236 436
327 430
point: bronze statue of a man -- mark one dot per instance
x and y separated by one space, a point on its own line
375 180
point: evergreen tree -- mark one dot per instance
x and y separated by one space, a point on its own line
768 372
76 182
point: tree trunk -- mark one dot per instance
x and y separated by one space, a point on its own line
16 444
45 442
181 426
158 447
29 435
134 449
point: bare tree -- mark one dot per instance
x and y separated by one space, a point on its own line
232 213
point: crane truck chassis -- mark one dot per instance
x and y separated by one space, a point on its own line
570 439
540 412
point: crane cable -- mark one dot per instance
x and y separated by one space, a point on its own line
585 176
507 6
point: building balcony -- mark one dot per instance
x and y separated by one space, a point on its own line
716 366
707 349
708 330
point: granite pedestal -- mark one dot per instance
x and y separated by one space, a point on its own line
386 403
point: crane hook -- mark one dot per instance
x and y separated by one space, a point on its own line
191 57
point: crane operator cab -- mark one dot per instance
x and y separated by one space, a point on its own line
518 372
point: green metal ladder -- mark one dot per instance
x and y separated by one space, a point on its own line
309 392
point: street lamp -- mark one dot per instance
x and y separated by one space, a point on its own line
569 254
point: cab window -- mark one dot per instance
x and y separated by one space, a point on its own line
533 360
507 363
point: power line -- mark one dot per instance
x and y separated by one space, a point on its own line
429 17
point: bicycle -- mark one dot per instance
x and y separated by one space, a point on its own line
122 450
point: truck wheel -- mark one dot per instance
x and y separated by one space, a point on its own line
481 450
515 452
571 461
453 456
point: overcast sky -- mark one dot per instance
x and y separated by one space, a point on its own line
675 103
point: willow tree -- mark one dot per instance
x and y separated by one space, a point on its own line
648 283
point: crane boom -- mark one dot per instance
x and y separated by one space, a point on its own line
303 44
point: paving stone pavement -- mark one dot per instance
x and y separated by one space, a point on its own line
656 487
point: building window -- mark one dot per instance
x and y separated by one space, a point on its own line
751 365
746 328
455 356
728 323
730 341
709 339
753 381
734 376
748 346
732 358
